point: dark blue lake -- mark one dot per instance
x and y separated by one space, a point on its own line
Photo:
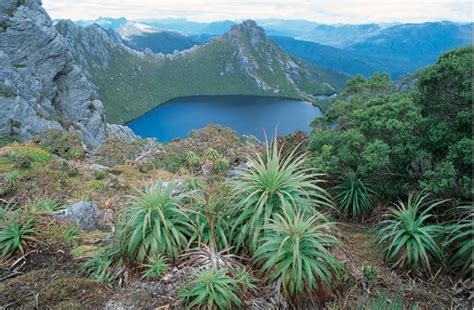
245 114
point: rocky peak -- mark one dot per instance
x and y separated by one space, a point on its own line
41 86
248 29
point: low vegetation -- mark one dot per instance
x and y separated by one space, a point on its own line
375 200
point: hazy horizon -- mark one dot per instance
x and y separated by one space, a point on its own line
334 12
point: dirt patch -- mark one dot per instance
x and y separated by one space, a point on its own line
52 289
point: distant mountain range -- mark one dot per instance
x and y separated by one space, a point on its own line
354 49
242 61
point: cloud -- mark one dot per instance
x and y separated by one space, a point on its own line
325 11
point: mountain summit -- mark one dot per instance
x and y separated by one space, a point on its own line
241 62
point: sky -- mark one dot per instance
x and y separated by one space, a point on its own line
322 11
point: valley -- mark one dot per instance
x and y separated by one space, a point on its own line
241 62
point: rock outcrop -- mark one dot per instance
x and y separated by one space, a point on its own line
84 214
41 86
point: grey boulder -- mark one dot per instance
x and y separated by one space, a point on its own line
84 214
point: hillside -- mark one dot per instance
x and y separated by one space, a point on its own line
408 47
165 42
326 56
242 61
141 36
398 50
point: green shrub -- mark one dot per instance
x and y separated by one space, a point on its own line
62 143
156 224
5 140
209 217
44 205
269 187
21 162
16 235
115 151
408 238
222 165
459 242
353 196
172 159
100 175
212 154
193 160
71 234
245 278
13 178
155 267
370 272
295 253
101 267
212 289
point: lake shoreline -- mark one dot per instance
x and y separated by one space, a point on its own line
246 114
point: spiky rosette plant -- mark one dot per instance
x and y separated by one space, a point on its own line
409 239
155 223
459 243
211 226
155 267
353 196
296 254
16 236
271 185
212 289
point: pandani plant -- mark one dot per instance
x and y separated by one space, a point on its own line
270 185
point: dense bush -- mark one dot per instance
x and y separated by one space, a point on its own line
62 143
155 267
213 142
103 265
211 226
403 141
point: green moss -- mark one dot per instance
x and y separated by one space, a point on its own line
97 185
34 153
64 144
84 251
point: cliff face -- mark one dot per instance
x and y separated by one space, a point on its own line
41 87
